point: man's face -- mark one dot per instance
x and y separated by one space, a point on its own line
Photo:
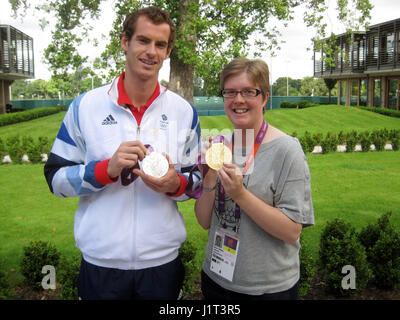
147 49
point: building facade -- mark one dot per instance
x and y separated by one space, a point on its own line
16 61
367 66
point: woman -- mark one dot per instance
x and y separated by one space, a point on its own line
260 210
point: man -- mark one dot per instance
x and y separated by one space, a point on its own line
128 230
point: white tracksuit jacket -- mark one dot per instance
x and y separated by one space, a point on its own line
116 226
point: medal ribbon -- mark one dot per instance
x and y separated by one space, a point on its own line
221 192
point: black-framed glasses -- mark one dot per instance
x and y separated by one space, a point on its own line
245 93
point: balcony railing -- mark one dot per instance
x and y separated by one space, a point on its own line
16 53
377 49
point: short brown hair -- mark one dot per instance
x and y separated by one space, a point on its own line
256 69
156 15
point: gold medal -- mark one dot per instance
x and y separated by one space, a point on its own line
217 154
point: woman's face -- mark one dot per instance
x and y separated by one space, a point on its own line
244 113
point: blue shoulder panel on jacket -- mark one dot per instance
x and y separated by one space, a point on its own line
64 135
195 117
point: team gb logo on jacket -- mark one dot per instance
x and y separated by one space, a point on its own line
164 122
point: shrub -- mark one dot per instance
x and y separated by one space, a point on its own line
3 150
36 255
382 243
44 145
10 118
378 138
351 141
365 141
67 276
394 137
287 104
384 111
307 142
317 139
340 246
341 138
329 144
303 104
4 287
14 148
187 253
307 268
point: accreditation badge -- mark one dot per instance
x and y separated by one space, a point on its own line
224 253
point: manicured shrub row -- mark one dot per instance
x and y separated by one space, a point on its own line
15 147
11 118
374 253
329 142
384 111
297 105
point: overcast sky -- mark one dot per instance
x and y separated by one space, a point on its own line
293 60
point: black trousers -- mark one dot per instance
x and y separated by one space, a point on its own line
213 291
157 283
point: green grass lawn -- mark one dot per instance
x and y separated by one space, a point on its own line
320 119
315 120
358 187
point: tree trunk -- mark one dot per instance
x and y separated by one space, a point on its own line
181 77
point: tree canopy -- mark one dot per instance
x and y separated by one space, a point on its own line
209 33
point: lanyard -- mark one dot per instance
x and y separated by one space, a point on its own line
221 192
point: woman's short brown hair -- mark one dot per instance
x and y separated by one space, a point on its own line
156 15
256 69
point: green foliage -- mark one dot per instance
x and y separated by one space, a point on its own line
307 142
3 149
307 268
365 141
382 243
297 105
10 118
16 147
339 246
208 33
394 137
67 275
36 255
351 141
329 144
384 111
379 138
5 290
187 253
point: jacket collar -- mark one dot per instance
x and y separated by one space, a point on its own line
118 95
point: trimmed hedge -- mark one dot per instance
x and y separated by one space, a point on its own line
384 111
329 143
297 105
11 118
16 146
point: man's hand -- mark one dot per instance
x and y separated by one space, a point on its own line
169 183
126 156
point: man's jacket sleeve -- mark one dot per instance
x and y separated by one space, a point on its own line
66 172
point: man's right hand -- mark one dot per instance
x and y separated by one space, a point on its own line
126 156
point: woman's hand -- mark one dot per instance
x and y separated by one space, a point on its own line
232 180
